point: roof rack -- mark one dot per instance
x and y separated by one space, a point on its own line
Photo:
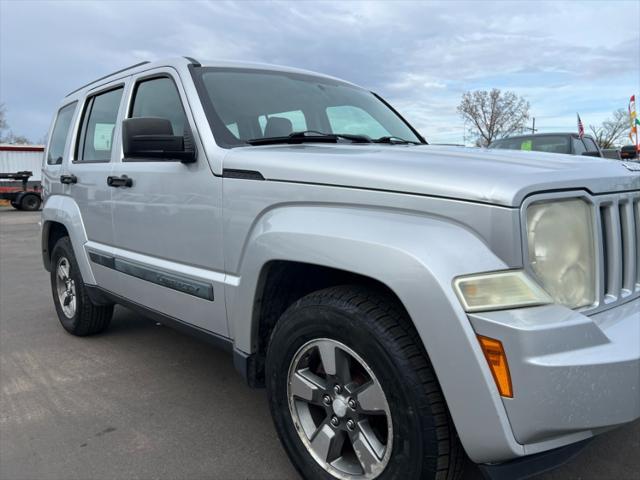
106 76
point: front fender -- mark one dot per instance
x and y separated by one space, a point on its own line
417 257
63 209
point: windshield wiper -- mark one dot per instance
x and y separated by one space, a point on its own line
395 141
309 136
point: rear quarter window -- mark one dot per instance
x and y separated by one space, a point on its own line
60 133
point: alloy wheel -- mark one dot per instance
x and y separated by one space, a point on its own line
65 287
340 410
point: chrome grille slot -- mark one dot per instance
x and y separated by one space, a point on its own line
619 237
612 250
628 230
636 218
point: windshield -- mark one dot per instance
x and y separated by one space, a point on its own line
246 104
542 143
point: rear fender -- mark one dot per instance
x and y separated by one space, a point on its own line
63 209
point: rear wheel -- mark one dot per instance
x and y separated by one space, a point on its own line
30 202
352 393
77 314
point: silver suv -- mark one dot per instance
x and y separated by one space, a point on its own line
402 303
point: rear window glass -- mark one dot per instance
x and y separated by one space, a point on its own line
543 143
60 133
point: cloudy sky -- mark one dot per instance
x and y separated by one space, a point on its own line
563 57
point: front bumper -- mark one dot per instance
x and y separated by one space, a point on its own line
573 375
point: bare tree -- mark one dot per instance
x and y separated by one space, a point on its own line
9 137
493 114
613 131
3 121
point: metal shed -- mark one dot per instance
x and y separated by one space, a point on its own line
16 158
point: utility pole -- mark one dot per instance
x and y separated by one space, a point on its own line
533 127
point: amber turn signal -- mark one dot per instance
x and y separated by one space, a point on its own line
497 360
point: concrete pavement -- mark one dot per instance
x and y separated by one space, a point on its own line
142 401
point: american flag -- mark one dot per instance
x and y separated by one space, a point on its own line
580 127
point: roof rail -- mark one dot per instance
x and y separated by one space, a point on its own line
193 61
107 76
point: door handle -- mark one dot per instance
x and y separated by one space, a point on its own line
68 179
122 181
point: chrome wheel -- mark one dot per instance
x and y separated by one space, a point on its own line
65 287
339 410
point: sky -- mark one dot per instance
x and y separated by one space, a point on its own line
563 57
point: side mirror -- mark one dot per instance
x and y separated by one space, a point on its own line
591 154
153 138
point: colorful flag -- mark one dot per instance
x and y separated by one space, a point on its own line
580 127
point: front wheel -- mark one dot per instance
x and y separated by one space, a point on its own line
352 393
77 314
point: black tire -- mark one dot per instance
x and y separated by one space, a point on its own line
372 324
88 318
30 202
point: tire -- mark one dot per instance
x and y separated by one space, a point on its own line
77 314
384 355
30 202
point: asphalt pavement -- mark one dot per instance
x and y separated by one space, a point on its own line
142 401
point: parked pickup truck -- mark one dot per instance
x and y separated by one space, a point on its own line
403 304
569 143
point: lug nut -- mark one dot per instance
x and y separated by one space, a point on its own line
326 400
337 389
351 424
335 421
352 404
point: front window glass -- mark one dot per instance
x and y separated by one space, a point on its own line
98 123
578 146
246 104
353 120
296 117
590 144
159 97
59 134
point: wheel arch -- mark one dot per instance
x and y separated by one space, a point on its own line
61 217
416 258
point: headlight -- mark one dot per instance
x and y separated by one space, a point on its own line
499 290
561 250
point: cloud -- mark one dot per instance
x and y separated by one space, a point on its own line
563 57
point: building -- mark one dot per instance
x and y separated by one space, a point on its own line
17 158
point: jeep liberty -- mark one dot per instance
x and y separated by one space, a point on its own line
404 304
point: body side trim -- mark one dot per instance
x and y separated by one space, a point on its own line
180 283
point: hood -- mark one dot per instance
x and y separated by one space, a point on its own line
501 177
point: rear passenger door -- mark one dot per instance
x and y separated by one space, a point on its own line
167 223
91 161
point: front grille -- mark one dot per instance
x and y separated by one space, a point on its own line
618 247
